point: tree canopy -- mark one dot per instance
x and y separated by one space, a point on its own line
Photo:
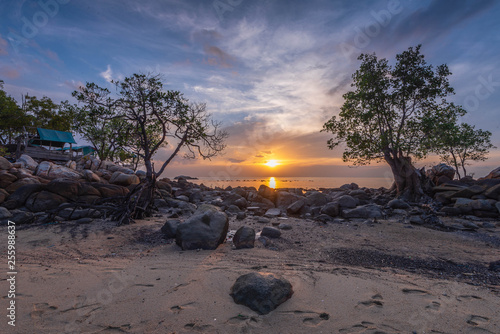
393 115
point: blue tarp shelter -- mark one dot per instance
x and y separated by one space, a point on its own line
52 138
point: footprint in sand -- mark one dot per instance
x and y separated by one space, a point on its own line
315 321
375 301
197 328
477 320
363 327
242 319
40 308
433 306
468 297
415 292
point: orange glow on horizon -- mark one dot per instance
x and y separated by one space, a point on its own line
272 163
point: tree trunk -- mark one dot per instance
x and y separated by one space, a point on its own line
406 178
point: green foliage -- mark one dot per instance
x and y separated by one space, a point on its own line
393 113
44 113
460 144
12 118
143 118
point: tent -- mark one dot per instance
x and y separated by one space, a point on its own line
52 138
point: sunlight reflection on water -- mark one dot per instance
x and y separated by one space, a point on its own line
272 183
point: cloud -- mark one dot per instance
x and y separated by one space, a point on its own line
74 85
108 74
236 161
3 46
9 72
217 57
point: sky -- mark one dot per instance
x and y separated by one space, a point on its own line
272 71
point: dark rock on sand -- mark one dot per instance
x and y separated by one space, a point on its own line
169 230
365 211
261 292
270 232
331 209
244 237
495 266
206 229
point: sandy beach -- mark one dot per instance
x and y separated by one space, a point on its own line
362 276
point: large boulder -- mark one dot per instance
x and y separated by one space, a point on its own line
67 188
296 206
5 164
19 183
494 174
347 201
110 190
6 178
205 230
169 229
267 192
244 237
464 205
123 179
364 211
331 209
28 162
315 198
43 201
285 199
19 197
398 204
91 176
50 170
443 170
493 192
261 292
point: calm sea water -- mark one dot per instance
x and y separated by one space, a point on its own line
294 182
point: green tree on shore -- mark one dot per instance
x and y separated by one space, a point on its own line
393 114
12 118
155 118
461 144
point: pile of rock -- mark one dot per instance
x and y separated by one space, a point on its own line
28 188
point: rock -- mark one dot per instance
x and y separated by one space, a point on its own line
205 230
364 211
469 191
315 198
331 209
6 178
91 176
28 162
235 199
262 220
443 170
284 227
398 204
296 206
4 213
241 215
71 214
3 195
183 198
270 232
451 211
347 201
497 205
49 170
483 205
169 230
494 174
19 183
416 220
244 238
67 188
261 292
267 193
284 199
71 165
43 201
162 185
22 217
124 180
464 205
494 266
19 197
22 173
86 220
467 224
493 192
110 190
360 194
324 218
5 164
272 213
233 209
352 186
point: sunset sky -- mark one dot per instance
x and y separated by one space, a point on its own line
272 71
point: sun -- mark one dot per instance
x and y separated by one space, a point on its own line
272 163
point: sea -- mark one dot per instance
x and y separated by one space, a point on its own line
306 183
